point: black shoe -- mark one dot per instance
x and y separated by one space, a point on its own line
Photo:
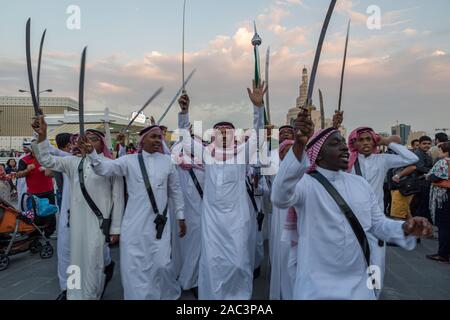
62 296
256 273
109 272
195 292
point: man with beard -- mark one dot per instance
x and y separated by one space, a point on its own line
336 210
96 209
225 271
145 244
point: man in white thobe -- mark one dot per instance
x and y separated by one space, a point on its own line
89 251
373 166
331 263
63 239
225 271
282 275
145 261
190 245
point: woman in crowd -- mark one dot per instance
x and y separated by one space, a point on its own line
440 202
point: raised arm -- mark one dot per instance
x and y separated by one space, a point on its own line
56 152
295 164
255 141
403 156
189 145
109 168
42 149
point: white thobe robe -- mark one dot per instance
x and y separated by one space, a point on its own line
88 249
331 263
374 169
281 259
225 271
190 245
145 262
188 248
63 240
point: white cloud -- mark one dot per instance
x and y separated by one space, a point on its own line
410 32
438 53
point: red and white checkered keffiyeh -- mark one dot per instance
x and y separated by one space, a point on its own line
315 145
313 150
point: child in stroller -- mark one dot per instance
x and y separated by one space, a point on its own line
23 231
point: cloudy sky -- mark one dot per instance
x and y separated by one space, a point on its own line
400 72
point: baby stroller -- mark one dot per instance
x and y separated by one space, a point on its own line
19 232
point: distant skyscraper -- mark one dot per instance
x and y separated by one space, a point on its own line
402 130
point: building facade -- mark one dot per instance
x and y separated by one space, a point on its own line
402 130
16 113
301 102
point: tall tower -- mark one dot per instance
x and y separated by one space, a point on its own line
301 100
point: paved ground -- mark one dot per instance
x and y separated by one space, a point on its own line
409 276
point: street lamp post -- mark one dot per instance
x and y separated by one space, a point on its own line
26 91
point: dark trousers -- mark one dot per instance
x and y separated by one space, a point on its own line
420 204
443 223
48 222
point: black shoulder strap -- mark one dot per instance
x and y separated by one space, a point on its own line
358 168
86 195
251 194
196 183
149 187
351 218
259 214
105 224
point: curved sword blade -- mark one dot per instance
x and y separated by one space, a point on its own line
153 97
81 91
267 84
38 76
343 67
318 52
175 97
322 111
182 62
30 68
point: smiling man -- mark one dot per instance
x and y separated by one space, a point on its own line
145 244
333 251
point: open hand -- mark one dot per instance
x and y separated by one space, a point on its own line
257 95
